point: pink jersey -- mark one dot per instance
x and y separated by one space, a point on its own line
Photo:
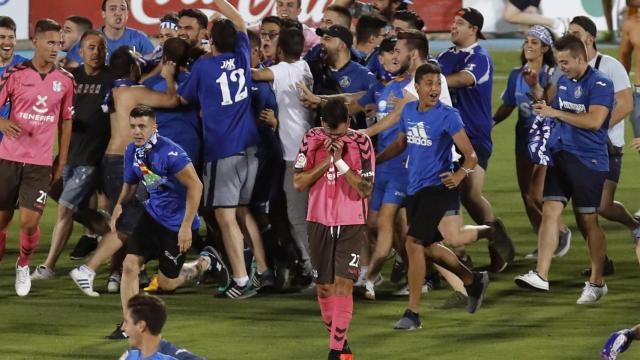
332 201
37 104
310 39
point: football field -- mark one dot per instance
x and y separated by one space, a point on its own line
57 321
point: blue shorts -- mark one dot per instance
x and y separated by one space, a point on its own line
388 189
569 177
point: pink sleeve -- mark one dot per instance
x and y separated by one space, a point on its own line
304 160
6 82
67 102
310 39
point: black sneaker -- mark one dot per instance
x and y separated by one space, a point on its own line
117 334
408 321
233 291
476 291
264 280
217 266
501 248
86 244
399 271
346 350
609 269
143 279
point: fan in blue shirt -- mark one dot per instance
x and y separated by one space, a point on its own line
5 109
135 39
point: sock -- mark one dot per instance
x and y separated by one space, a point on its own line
87 269
363 272
3 242
28 244
241 281
343 310
327 306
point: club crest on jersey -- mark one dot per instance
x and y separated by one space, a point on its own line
345 81
229 64
57 86
382 105
578 92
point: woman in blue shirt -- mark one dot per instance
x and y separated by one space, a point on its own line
535 77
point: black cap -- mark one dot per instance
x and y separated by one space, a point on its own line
388 44
587 24
338 31
474 18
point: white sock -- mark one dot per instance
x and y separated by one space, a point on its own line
87 269
241 281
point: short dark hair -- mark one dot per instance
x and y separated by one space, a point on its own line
572 44
176 50
7 22
121 62
291 42
410 17
82 22
45 25
291 24
369 25
197 14
335 112
171 17
223 35
104 4
254 39
401 6
416 40
137 112
344 13
92 32
148 308
272 20
427 68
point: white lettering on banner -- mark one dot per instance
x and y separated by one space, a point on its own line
245 7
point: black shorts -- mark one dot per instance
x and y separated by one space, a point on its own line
524 4
335 251
151 240
25 185
569 177
615 165
482 153
131 215
425 210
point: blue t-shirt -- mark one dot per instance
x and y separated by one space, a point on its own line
262 98
131 37
379 95
180 124
593 88
135 354
170 349
167 196
473 102
5 109
354 78
515 94
220 85
429 141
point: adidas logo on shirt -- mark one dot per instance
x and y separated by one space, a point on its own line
417 135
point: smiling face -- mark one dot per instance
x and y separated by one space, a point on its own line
571 66
190 31
533 48
288 9
47 45
386 59
93 51
7 44
402 56
429 88
116 14
165 34
461 31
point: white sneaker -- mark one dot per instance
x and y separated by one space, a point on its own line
369 290
404 291
42 272
84 279
113 284
592 293
532 280
23 280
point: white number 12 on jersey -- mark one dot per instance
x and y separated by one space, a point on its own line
235 76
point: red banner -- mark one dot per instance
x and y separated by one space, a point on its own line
145 14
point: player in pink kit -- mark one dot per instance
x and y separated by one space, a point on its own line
337 165
41 95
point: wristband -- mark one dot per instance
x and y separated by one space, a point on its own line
467 171
342 166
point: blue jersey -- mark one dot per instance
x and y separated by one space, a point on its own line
180 124
220 84
354 78
515 94
135 354
167 196
429 141
170 349
575 96
473 102
5 109
134 39
380 95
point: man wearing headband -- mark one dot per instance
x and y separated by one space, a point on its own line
469 72
585 29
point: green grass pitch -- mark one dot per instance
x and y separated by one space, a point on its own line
56 321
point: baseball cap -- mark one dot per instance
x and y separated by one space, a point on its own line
474 18
338 31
